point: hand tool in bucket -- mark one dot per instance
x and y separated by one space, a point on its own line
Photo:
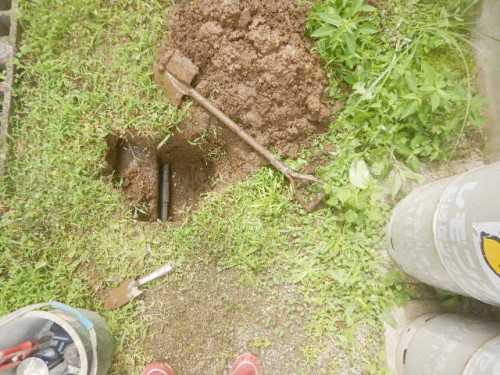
80 317
13 356
174 76
129 289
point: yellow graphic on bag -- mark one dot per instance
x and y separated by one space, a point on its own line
490 246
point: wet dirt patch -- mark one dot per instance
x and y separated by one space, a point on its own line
136 166
202 321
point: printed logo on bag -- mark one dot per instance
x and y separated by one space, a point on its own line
490 247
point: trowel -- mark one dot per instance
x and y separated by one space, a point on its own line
129 289
174 76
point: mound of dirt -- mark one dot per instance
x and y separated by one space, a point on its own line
255 64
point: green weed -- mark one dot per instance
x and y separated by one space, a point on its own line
402 69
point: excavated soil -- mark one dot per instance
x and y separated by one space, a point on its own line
256 65
135 164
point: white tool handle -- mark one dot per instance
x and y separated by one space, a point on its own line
156 274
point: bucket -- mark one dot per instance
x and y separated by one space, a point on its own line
87 329
447 234
411 236
449 344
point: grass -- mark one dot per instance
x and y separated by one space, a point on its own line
85 73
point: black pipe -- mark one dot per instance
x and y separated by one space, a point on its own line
164 191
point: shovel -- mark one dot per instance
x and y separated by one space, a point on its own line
174 76
129 289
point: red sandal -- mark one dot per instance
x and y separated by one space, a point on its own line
158 368
246 364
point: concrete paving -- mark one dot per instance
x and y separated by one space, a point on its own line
488 65
8 40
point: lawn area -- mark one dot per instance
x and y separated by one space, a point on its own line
311 290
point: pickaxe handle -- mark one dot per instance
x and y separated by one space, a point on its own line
221 116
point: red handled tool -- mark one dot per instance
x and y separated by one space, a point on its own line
12 357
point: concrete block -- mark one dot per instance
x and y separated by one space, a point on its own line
8 40
5 5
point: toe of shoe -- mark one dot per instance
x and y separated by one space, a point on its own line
158 368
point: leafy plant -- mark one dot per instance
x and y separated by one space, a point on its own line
345 28
403 72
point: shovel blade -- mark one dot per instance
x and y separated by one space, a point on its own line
174 62
124 293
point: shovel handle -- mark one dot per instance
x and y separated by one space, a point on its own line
185 89
156 274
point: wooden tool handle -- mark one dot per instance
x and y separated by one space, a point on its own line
222 117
